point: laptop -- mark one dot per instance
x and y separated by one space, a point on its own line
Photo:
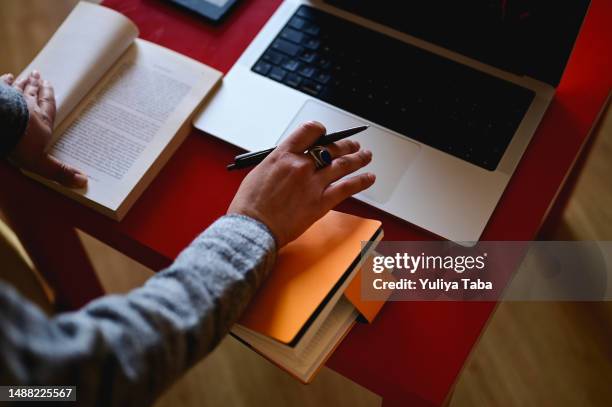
453 93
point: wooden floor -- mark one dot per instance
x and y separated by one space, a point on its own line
543 354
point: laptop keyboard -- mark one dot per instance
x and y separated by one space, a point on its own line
448 106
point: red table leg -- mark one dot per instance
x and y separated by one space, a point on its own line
58 255
554 217
52 244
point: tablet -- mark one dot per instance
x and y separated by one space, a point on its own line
213 10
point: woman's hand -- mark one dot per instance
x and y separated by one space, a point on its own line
288 194
30 153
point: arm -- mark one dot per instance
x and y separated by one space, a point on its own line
125 350
13 118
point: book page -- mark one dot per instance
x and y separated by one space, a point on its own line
80 52
322 344
122 127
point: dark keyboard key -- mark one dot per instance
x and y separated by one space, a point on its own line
273 57
324 63
323 77
312 29
308 13
297 23
311 87
293 80
277 74
292 35
286 47
291 65
262 68
307 71
312 44
308 56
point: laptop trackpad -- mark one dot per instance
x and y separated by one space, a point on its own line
392 154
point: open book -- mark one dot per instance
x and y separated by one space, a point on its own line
123 104
302 313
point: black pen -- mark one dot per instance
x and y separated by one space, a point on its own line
250 159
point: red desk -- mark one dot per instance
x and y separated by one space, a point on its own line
413 353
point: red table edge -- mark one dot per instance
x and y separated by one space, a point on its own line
554 213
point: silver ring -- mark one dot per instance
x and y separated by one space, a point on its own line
321 156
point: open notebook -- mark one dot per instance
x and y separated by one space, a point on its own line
301 314
123 104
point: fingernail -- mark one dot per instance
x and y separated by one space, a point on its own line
356 145
368 153
35 73
371 177
317 124
80 180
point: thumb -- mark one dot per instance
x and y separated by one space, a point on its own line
55 170
7 78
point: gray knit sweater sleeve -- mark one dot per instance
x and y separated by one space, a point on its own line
13 118
125 350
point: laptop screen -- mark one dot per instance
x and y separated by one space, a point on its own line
526 37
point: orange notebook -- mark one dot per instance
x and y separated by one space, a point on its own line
300 313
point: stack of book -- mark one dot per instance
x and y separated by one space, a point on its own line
311 299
